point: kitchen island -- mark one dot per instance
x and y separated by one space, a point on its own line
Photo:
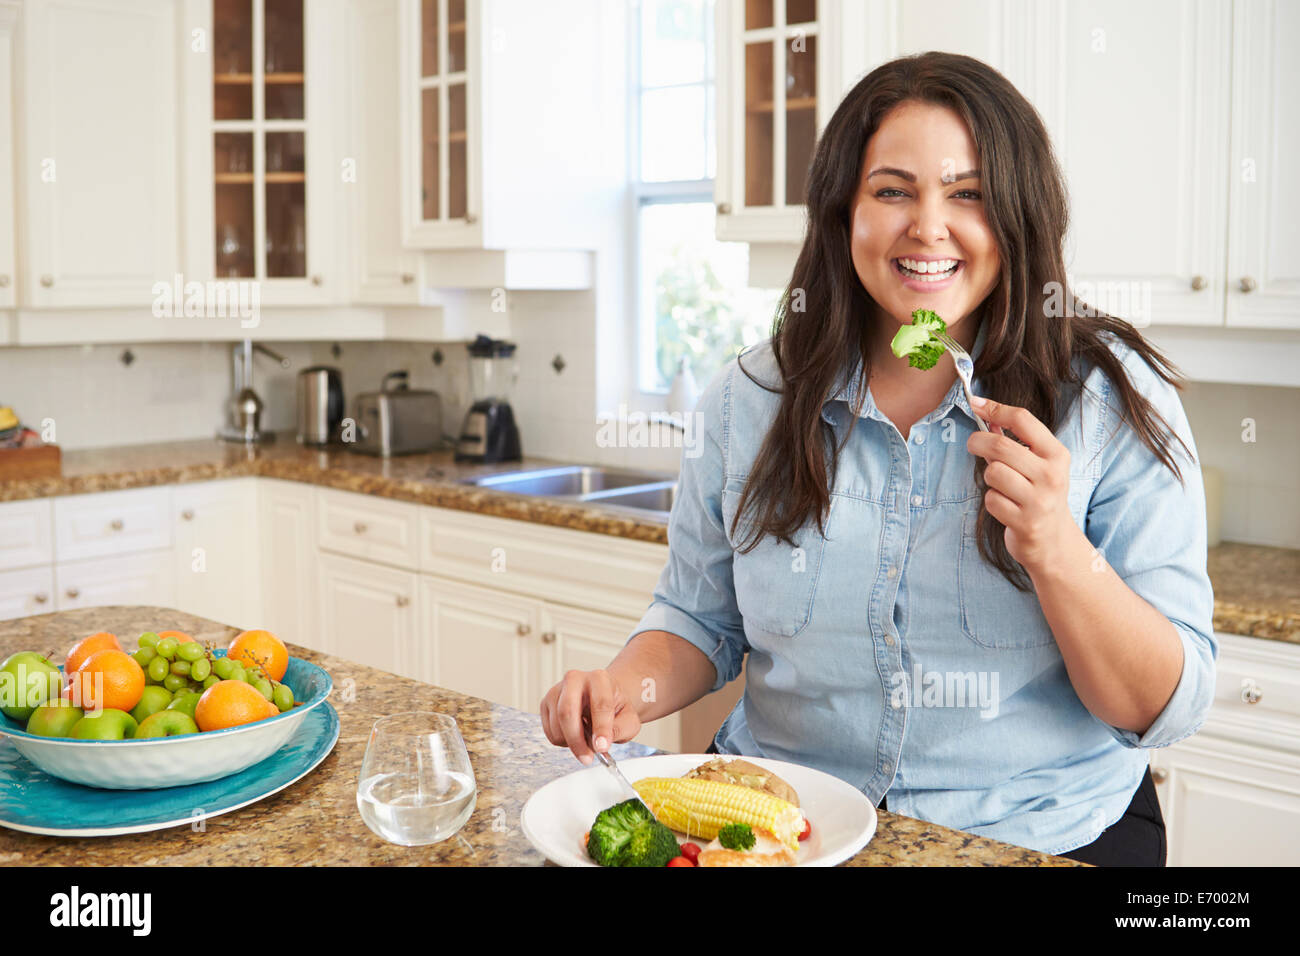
315 822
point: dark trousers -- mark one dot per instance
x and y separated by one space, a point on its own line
1135 839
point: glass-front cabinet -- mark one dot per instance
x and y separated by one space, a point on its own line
775 95
264 203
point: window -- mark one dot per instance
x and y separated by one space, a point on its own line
692 300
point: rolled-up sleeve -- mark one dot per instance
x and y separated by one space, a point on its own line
695 597
1151 530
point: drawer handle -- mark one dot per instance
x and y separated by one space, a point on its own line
1159 775
72 593
116 524
403 600
41 598
523 630
1250 691
548 637
47 280
188 514
1247 284
359 527
1198 283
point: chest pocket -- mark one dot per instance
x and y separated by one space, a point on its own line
775 583
993 613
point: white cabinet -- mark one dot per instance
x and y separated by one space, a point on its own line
1263 277
112 522
9 11
26 592
143 578
368 614
216 557
98 164
287 544
367 527
26 533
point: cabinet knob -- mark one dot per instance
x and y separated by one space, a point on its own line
470 219
1198 283
1250 691
724 208
1247 284
523 630
116 524
1159 775
188 514
403 600
548 637
47 280
40 598
4 281
359 527
72 593
317 280
408 278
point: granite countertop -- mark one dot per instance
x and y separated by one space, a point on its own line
315 821
1256 588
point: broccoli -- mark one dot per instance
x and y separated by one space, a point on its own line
737 836
627 834
917 342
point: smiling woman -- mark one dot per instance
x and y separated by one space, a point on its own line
848 524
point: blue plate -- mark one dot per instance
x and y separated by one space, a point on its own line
33 801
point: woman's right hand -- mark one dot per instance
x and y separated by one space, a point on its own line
594 695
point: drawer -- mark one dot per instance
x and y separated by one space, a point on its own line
578 568
131 579
26 592
362 526
114 522
1269 673
26 533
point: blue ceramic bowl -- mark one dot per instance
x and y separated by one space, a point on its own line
174 761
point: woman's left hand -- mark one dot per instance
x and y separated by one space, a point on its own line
1029 484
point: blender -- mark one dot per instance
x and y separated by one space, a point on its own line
489 433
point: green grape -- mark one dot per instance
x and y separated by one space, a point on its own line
148 639
158 669
167 648
190 651
144 655
210 680
223 667
174 682
282 697
263 687
237 672
181 667
200 669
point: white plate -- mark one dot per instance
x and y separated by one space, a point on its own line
556 816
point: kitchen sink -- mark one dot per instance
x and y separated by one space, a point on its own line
650 492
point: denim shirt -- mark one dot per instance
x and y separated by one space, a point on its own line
888 653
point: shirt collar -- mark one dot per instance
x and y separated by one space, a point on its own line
847 389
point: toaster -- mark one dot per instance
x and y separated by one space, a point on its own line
397 420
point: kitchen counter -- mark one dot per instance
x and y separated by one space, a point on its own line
1256 588
315 821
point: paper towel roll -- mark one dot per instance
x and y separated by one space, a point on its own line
1212 478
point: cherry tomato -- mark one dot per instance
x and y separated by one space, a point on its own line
691 851
680 861
807 830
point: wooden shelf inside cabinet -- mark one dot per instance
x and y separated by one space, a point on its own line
244 79
794 103
238 179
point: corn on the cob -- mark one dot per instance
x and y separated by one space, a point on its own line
703 807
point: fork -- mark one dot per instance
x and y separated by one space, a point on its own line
965 369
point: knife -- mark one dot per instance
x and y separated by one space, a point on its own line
610 764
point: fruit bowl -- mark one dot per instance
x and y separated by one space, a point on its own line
173 761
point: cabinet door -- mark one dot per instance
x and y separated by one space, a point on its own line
99 161
26 592
8 18
26 533
216 555
385 272
587 640
368 614
1263 284
482 642
129 579
288 553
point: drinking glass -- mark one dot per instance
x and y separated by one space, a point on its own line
416 785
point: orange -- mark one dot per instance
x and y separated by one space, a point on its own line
180 636
101 641
261 649
107 679
229 703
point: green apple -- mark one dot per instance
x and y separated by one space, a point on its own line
55 719
109 724
153 699
166 723
185 702
27 680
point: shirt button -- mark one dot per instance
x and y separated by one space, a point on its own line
889 639
919 438
892 572
916 501
887 766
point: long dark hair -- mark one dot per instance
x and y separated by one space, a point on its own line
1029 344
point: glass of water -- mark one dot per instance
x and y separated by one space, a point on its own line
417 786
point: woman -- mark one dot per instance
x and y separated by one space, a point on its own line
992 630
